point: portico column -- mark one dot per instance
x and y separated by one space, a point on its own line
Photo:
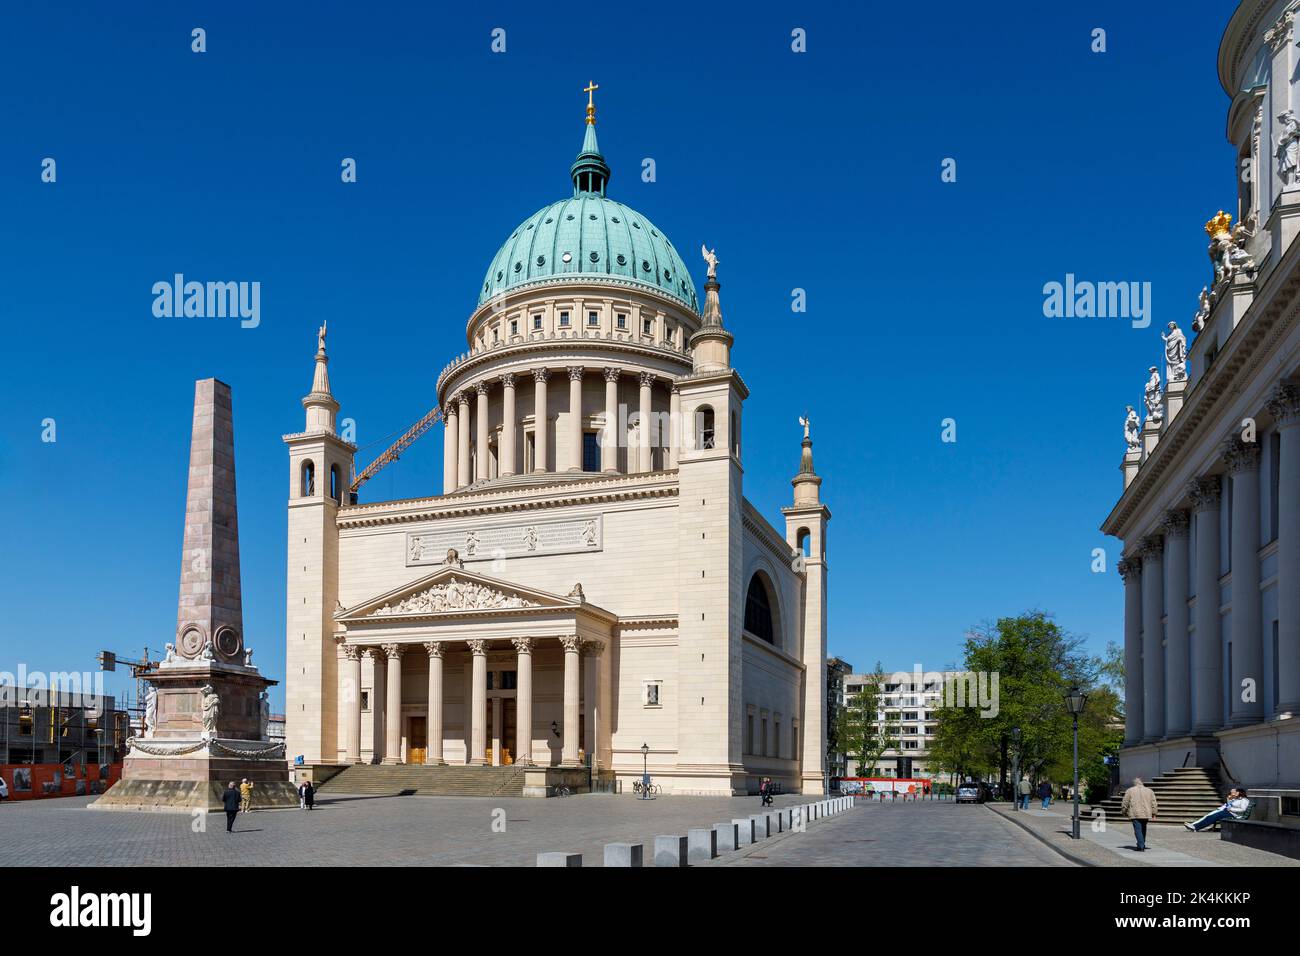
1153 657
1285 408
1131 570
450 436
575 417
1178 709
434 650
352 742
674 424
540 375
592 717
643 433
508 425
462 454
393 717
481 426
569 748
1207 648
1247 661
377 702
524 700
478 704
498 741
609 441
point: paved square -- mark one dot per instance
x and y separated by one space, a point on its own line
445 831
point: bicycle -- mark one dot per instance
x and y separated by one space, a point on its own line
562 791
652 790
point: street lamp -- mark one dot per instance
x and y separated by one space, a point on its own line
645 771
1015 768
1074 702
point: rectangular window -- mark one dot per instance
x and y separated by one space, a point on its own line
590 452
621 320
365 701
508 679
652 693
564 320
530 450
537 323
593 318
647 326
514 326
749 734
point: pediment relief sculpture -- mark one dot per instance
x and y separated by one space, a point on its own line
455 595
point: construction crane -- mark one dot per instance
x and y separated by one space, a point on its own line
394 451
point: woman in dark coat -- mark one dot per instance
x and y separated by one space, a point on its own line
309 795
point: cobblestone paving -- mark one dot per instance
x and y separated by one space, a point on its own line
907 834
357 831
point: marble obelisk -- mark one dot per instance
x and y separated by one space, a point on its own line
207 708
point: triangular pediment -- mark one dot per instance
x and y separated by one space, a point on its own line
451 590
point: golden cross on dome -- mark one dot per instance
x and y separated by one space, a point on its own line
590 89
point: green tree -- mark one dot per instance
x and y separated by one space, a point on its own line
859 733
1035 662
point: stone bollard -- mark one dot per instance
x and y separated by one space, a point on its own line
727 836
788 814
701 845
560 858
623 854
774 822
744 831
761 831
670 850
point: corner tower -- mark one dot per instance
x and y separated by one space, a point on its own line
320 468
711 592
805 531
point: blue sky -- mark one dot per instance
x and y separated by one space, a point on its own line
818 171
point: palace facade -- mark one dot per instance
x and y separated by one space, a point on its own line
591 589
1210 512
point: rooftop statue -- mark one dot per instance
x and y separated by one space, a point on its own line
1175 353
711 257
1131 430
1155 409
1202 311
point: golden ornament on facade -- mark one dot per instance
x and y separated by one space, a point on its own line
1220 225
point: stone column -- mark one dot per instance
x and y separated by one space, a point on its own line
393 717
1153 657
1131 570
377 703
610 440
540 375
592 717
462 454
497 740
481 427
1285 408
450 437
569 748
524 700
643 432
575 417
1247 660
1178 692
1207 648
478 705
508 426
674 425
434 650
352 741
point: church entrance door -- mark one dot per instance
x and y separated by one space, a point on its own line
418 745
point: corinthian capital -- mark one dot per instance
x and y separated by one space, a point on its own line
1151 547
570 643
523 645
612 374
1284 403
507 379
1130 569
647 379
1175 522
433 648
576 372
1205 493
1278 35
1240 455
394 651
477 647
540 375
352 652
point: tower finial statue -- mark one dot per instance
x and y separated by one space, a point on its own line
711 257
805 421
320 336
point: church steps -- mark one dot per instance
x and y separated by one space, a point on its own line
445 781
1183 794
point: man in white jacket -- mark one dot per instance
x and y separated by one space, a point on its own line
1234 809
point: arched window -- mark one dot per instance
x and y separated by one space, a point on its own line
758 611
804 537
336 484
308 485
704 428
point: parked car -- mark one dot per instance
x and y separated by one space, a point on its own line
971 792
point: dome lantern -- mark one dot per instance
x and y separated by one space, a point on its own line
590 172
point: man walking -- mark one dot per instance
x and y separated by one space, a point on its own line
1024 790
230 800
1139 805
246 796
1235 808
1045 794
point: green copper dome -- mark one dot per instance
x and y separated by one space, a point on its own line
589 234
